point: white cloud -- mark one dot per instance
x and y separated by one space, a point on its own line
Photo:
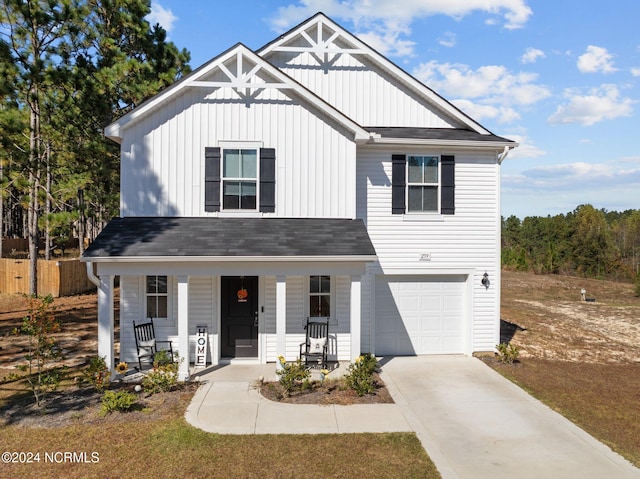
558 189
635 72
596 59
532 55
379 20
603 103
580 175
388 42
161 15
494 83
491 91
526 148
448 39
482 112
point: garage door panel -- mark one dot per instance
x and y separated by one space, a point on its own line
420 315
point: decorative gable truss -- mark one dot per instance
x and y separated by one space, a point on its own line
323 41
244 75
326 42
247 75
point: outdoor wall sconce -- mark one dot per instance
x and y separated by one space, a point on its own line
485 280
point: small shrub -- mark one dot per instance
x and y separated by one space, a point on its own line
359 376
507 353
164 375
293 376
162 358
97 373
121 401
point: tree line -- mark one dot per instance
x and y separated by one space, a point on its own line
68 68
585 242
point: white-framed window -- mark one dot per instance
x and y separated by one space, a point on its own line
157 296
240 180
320 296
423 183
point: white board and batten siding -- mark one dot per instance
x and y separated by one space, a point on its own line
395 105
443 245
163 154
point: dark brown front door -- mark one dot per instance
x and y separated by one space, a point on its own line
239 321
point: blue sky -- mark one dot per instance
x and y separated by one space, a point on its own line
561 78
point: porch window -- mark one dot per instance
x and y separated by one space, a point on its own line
320 296
157 297
423 183
239 179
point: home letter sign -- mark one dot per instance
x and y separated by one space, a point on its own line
201 346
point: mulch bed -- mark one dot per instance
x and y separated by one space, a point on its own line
328 392
82 406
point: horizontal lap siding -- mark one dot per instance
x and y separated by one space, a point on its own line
466 240
163 155
203 311
130 310
295 316
269 319
349 85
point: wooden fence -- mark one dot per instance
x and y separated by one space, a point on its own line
63 277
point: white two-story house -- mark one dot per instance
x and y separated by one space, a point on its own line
310 178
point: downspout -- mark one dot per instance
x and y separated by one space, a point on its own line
92 277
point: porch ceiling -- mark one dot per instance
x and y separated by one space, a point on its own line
259 239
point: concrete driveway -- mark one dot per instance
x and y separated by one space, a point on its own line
476 424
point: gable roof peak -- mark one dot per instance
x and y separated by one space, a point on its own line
244 71
329 34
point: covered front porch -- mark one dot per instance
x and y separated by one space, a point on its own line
250 307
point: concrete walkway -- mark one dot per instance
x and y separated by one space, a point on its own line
472 422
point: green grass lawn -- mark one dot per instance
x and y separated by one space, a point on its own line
602 399
175 449
141 445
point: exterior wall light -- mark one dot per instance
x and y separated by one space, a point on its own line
485 280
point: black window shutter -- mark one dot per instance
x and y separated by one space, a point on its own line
398 184
212 179
448 185
267 180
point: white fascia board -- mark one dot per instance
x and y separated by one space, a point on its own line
397 72
284 82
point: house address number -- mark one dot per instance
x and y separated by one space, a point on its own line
425 257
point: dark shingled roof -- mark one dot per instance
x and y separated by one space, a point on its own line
434 134
260 237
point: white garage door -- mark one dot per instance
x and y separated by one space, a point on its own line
420 315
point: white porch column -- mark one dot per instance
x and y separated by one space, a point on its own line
281 315
183 327
105 322
356 316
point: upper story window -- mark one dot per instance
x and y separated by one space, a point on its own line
423 183
239 179
157 297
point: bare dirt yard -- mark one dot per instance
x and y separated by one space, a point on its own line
547 319
580 358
